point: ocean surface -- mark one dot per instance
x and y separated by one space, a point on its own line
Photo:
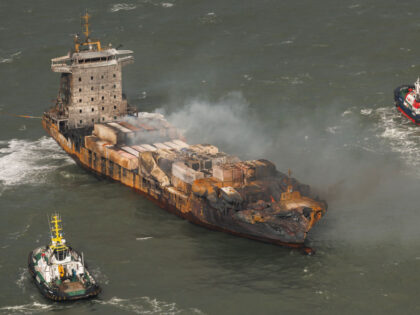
306 84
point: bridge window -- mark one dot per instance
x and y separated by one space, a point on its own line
80 89
93 109
80 79
93 120
103 108
102 76
103 98
115 117
114 75
115 107
91 88
91 99
80 100
115 96
115 86
91 78
103 118
102 87
81 121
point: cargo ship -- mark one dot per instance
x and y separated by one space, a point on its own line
407 100
93 122
59 271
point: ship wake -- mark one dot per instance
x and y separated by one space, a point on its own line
29 162
146 305
402 136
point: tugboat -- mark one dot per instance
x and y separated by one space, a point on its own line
407 100
59 271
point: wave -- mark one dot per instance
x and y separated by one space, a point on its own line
122 6
402 135
28 162
23 276
10 58
147 305
143 238
31 308
19 234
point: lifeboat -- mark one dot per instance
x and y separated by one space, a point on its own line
59 271
407 100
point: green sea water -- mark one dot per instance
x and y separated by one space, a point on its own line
308 85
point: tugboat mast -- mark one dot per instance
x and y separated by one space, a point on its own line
417 87
57 240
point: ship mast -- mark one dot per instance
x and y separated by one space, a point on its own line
417 87
91 45
57 240
85 19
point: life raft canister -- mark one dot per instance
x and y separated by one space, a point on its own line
61 271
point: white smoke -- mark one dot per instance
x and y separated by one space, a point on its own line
228 124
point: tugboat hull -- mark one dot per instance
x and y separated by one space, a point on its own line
64 292
400 95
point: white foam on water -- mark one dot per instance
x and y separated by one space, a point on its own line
332 129
366 111
23 275
28 162
167 4
18 234
10 58
346 112
146 305
401 134
99 276
286 42
143 238
31 308
122 6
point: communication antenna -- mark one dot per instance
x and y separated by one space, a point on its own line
289 186
85 24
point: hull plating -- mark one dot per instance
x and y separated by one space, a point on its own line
290 232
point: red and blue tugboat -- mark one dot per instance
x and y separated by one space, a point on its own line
407 100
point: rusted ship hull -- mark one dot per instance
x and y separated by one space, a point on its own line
286 229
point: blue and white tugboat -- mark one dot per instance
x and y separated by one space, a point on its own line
59 271
407 100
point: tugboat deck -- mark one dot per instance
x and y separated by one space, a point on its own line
71 287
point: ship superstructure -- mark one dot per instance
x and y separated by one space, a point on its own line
59 271
144 151
90 85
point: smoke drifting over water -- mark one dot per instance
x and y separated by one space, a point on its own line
227 124
349 156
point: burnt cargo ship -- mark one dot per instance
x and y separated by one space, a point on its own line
93 123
